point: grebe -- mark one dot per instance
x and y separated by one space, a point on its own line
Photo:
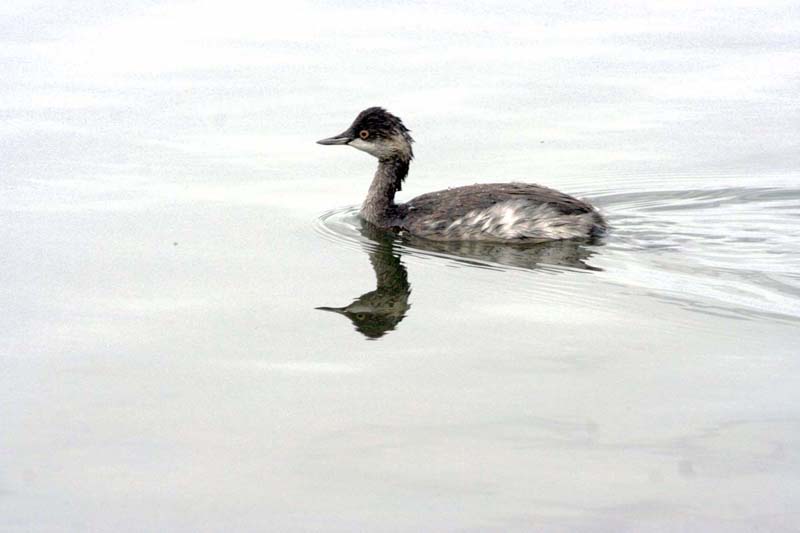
499 212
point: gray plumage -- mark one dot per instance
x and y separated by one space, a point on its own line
497 212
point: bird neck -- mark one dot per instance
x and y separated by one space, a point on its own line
379 207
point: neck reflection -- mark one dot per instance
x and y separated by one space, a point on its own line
379 311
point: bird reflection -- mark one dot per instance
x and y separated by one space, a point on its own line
378 312
572 253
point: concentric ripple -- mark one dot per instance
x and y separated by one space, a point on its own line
727 251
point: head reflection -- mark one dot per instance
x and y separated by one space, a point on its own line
377 312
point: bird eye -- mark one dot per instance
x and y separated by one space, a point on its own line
363 134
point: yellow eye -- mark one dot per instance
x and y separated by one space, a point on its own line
363 134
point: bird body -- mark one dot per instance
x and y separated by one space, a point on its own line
500 212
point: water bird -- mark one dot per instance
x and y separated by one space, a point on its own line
492 212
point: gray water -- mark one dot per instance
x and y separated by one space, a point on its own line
169 229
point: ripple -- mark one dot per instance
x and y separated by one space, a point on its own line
728 251
738 247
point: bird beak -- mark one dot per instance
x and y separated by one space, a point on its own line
342 138
339 310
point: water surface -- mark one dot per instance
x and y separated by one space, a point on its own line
170 230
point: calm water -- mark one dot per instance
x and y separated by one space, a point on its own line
170 229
